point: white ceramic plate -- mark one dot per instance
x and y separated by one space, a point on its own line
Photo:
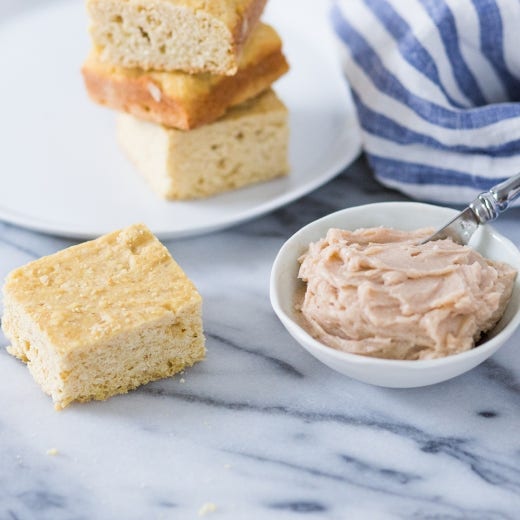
63 173
389 372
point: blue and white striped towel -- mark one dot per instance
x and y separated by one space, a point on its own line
437 89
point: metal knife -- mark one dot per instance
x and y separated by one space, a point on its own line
485 208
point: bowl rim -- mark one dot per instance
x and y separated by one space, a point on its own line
304 337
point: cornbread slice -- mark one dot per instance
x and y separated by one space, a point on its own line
185 101
248 145
103 317
189 35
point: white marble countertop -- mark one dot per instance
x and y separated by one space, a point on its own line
260 429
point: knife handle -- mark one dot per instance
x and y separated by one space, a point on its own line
506 192
488 206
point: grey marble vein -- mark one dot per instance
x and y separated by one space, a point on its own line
282 365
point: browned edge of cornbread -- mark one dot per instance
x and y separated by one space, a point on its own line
134 94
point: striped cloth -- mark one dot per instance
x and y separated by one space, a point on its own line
435 84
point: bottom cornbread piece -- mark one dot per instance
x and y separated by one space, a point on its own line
248 145
103 317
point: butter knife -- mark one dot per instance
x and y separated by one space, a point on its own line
485 208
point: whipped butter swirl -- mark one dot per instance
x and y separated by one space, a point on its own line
379 292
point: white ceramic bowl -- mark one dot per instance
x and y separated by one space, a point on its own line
385 372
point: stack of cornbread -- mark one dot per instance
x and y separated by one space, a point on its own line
192 80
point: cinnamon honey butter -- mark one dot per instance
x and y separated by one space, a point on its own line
379 292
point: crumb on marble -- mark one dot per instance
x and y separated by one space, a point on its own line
207 509
183 380
227 466
52 452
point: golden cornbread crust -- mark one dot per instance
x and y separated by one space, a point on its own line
103 317
186 101
248 145
166 35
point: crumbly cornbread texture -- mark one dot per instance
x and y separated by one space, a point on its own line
186 101
189 35
248 145
103 317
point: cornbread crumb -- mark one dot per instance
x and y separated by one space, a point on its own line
207 509
248 145
103 317
189 35
52 452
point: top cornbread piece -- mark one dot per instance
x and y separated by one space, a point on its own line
103 317
189 35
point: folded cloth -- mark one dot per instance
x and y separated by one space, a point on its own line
437 89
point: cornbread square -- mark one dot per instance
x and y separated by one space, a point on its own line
248 145
103 317
186 101
189 35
